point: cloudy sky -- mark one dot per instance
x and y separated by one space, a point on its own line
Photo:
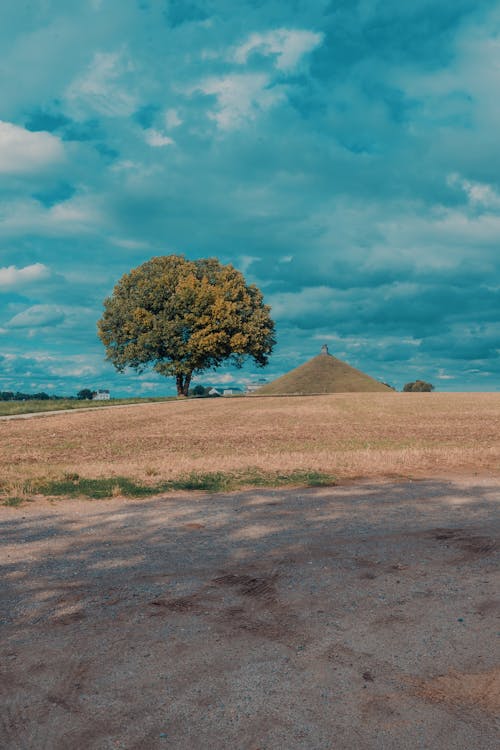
344 154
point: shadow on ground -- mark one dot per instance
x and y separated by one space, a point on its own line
350 617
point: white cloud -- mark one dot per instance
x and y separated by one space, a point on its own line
288 45
479 193
472 75
157 139
306 301
125 164
103 87
22 151
440 239
80 214
243 96
74 371
50 315
129 244
245 261
38 316
217 378
147 387
134 171
172 119
69 212
240 97
33 364
13 278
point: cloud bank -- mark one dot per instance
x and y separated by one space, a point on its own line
342 156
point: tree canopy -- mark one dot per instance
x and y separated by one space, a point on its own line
85 394
183 317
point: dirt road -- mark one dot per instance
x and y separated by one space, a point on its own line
358 617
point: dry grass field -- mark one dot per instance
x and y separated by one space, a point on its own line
360 616
345 435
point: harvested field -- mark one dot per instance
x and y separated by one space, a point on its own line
348 435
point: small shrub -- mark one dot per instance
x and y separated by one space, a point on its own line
418 386
212 482
198 390
71 476
15 502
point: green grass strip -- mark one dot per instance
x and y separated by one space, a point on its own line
15 502
73 485
12 408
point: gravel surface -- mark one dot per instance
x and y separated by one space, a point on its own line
362 616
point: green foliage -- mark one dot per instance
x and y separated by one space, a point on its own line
15 502
85 394
198 390
183 317
72 485
94 488
418 386
18 396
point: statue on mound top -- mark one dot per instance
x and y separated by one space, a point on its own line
324 349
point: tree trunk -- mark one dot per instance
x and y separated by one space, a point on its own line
179 379
183 382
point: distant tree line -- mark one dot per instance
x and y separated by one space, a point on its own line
199 391
18 396
85 393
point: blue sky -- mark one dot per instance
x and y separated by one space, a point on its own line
343 154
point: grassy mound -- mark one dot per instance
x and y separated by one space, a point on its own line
323 374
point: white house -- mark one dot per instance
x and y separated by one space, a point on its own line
101 395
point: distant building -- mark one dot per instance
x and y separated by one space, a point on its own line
101 395
214 392
252 387
231 391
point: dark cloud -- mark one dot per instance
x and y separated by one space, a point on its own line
145 116
41 119
421 32
179 12
55 194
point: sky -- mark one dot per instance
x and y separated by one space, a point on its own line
343 154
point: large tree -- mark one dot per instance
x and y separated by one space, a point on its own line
182 317
85 394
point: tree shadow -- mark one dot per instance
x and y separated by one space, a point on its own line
182 578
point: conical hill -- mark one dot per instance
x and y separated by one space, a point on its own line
323 374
